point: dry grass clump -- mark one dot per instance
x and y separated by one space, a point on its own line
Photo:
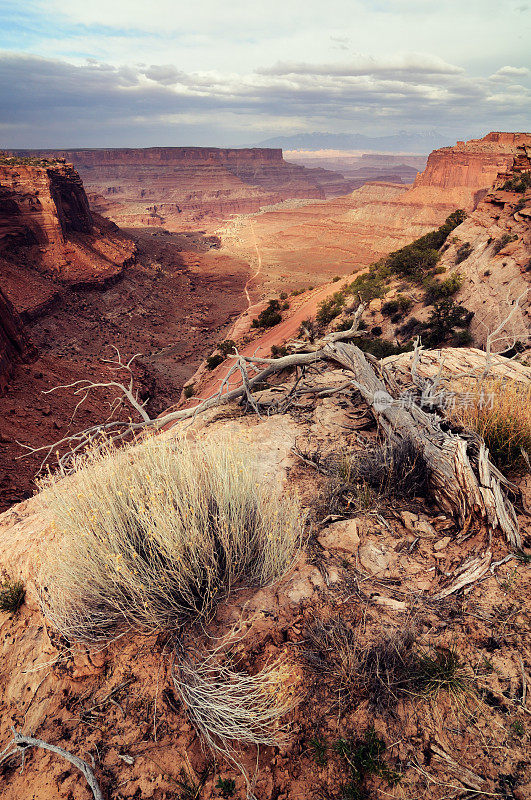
153 534
366 479
384 671
500 412
228 706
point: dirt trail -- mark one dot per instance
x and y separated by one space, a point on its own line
258 270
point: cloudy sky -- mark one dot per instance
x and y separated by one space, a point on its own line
161 72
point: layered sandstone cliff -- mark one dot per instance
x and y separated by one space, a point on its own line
305 243
48 235
14 343
496 272
175 187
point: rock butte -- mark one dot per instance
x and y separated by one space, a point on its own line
49 236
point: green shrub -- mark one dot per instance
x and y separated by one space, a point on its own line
12 594
400 303
520 182
502 242
380 348
463 252
278 351
269 317
188 390
154 534
445 317
421 256
214 361
439 290
226 347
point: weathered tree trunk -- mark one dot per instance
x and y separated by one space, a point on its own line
463 480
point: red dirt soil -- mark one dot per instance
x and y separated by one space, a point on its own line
171 306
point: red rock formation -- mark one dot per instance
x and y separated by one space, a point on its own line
14 343
48 234
305 243
179 186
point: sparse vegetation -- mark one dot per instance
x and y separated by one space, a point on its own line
154 534
366 479
399 304
499 412
214 361
269 317
445 324
463 252
226 787
440 290
188 390
363 758
12 595
420 258
502 242
226 347
520 182
278 351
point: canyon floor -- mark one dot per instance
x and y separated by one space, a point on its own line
172 306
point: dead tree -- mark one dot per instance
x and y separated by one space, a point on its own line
21 744
464 482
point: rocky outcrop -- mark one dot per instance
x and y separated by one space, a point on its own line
14 343
496 240
178 186
48 235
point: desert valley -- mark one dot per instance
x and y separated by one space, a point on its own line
265 472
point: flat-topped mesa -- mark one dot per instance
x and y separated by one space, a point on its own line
190 184
468 169
163 156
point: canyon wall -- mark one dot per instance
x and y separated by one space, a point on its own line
338 236
48 235
180 187
14 343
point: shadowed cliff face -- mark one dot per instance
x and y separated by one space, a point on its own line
178 187
49 236
14 344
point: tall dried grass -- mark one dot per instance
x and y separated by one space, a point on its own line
228 706
500 412
154 534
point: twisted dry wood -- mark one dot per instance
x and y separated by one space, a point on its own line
22 743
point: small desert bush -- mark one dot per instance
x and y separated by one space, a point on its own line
269 317
12 594
214 361
154 534
463 252
499 412
396 469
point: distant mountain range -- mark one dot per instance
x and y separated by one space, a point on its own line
402 142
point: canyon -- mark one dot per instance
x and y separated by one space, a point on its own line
362 167
306 242
76 285
180 188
